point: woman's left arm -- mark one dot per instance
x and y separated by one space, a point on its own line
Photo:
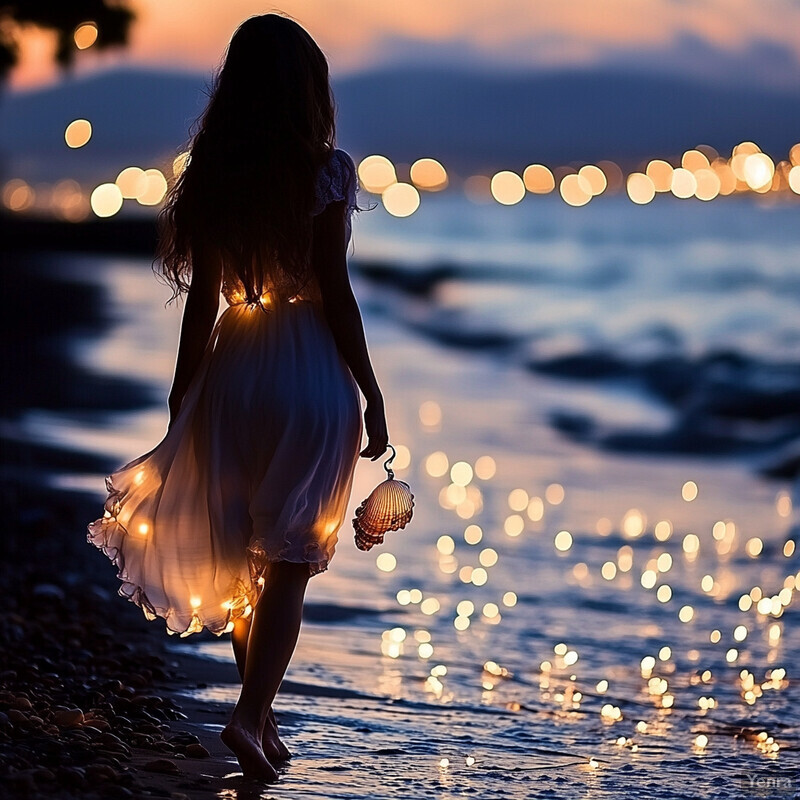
199 315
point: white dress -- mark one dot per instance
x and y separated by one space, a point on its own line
257 466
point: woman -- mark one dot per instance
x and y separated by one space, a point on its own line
222 524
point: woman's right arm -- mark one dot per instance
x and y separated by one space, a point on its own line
329 262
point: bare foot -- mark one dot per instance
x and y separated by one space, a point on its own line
248 753
274 748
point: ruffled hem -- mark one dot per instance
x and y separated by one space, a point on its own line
103 531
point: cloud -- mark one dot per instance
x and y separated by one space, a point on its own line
361 34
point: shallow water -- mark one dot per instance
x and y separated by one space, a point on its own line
384 688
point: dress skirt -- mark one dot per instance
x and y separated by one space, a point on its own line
257 467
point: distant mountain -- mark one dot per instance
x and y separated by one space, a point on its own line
499 120
471 121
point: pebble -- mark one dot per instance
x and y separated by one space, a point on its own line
75 694
162 765
197 751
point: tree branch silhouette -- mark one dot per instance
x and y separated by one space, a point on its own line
112 18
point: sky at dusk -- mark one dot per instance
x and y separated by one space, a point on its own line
362 34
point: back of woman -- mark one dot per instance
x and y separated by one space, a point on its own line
222 524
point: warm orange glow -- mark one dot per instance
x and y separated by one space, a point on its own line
684 184
106 200
485 468
78 133
563 541
794 179
18 195
429 174
641 189
376 173
437 464
660 173
595 177
400 199
726 177
507 188
85 35
708 184
155 188
794 155
694 160
746 149
132 182
758 171
538 179
575 190
69 201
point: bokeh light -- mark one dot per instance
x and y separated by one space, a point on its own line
400 199
595 178
155 188
78 133
708 184
106 200
758 171
538 179
85 35
132 182
18 195
683 184
507 188
575 190
660 173
428 174
376 173
641 189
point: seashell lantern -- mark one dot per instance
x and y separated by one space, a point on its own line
389 507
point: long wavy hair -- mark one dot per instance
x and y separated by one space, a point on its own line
246 194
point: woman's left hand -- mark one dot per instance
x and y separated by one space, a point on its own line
377 434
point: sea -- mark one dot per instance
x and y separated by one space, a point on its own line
598 412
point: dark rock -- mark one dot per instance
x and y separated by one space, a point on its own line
197 751
162 765
70 718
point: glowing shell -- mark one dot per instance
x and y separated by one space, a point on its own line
388 508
